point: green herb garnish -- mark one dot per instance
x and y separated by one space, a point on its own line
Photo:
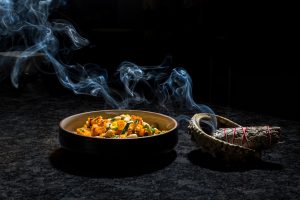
153 130
125 128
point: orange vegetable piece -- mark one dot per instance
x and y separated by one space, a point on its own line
121 124
141 132
97 130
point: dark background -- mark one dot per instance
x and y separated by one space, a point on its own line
233 51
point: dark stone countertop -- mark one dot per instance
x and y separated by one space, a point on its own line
32 165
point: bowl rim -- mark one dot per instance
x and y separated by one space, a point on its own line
119 110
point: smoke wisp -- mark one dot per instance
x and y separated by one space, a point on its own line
26 32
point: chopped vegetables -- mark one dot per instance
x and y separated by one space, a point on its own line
122 126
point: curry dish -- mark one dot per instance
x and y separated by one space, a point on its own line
122 126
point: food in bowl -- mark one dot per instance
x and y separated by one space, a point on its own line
95 145
120 126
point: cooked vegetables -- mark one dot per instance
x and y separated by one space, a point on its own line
122 126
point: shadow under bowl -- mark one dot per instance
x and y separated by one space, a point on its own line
156 144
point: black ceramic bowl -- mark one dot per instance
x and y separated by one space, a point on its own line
161 143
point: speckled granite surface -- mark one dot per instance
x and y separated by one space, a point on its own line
32 165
